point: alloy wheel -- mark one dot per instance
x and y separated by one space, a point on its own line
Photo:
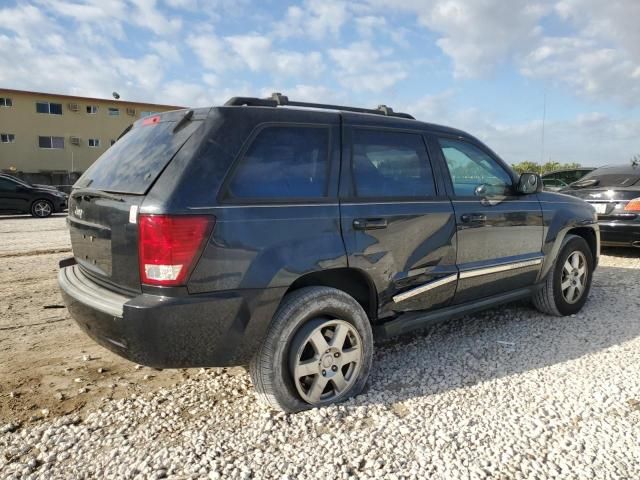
574 277
42 209
325 360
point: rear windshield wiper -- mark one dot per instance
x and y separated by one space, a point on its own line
592 182
88 193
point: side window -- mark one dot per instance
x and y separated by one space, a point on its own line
7 185
390 164
471 167
284 162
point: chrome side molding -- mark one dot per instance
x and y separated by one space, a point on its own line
425 288
500 268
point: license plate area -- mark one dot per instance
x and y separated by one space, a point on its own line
601 208
91 246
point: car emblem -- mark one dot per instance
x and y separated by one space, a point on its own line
78 212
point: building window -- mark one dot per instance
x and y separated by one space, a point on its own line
94 142
7 138
147 114
51 142
114 112
92 109
50 108
6 102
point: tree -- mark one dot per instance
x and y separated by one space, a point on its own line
533 167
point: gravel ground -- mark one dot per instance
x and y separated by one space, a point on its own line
509 393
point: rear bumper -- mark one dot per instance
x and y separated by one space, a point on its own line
619 234
204 330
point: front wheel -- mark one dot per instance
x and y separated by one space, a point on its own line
567 286
318 351
41 208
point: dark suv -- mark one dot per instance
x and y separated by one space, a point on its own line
283 238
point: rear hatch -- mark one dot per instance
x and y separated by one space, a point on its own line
610 191
104 202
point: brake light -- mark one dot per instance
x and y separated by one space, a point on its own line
168 246
633 206
151 120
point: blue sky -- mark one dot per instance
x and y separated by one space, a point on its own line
485 66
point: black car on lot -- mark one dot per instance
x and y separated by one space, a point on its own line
18 196
614 192
280 237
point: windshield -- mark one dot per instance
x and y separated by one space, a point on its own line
16 179
134 162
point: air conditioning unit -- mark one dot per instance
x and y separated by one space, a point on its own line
131 112
74 107
74 140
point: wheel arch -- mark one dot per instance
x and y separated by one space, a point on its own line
39 199
352 281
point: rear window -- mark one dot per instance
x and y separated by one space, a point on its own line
606 178
133 163
284 162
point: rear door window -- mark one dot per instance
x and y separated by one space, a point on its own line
133 163
283 162
390 164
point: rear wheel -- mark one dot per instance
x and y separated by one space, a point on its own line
567 286
318 351
41 208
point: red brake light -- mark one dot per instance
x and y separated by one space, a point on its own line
151 120
633 205
168 245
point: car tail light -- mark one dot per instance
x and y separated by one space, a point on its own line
168 246
633 205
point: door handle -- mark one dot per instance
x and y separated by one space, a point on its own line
369 223
473 217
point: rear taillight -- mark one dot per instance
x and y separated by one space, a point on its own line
633 206
168 246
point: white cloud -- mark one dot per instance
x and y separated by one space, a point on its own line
361 66
368 25
316 19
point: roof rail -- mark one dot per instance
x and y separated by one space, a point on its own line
277 99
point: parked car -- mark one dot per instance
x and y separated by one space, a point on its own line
17 196
569 175
280 237
36 185
615 194
553 184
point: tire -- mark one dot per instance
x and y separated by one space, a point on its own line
41 208
552 298
290 351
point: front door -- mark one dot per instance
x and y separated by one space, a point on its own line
499 232
397 222
12 196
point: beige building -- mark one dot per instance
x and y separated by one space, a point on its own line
50 136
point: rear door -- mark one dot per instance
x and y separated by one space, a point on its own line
499 231
397 222
104 202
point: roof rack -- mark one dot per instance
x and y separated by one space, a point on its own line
277 99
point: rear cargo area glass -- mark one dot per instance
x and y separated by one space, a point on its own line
134 162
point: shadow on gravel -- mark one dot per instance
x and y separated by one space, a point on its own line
504 341
621 252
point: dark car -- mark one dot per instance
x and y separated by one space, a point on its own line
615 194
18 196
553 184
568 175
283 238
36 185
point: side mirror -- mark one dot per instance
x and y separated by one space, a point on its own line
529 183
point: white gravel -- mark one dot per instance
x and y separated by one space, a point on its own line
509 393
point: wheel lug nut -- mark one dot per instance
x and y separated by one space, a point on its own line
324 373
336 354
334 368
